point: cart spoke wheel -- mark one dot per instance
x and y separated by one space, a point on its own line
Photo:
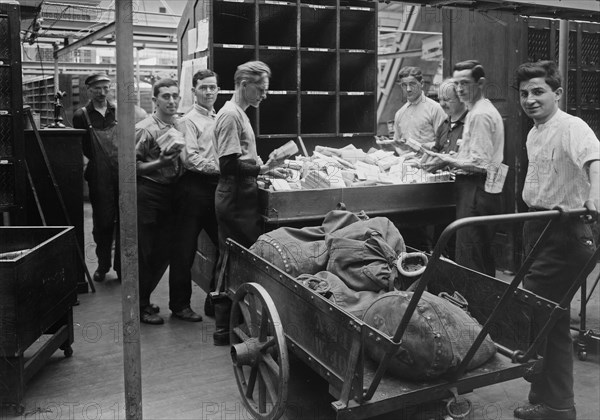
259 353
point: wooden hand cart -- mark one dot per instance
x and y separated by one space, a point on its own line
273 314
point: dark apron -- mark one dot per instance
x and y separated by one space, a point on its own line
102 175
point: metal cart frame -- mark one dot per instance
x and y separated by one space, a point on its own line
273 314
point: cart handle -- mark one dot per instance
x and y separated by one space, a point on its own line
550 215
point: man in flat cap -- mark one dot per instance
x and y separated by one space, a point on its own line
98 117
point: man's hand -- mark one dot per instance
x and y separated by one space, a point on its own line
167 158
431 163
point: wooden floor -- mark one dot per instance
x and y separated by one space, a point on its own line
184 376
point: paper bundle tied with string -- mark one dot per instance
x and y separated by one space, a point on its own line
172 141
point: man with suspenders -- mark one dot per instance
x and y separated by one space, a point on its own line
98 117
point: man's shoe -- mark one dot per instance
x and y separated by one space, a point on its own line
153 308
544 412
221 337
187 315
209 308
535 398
148 318
99 276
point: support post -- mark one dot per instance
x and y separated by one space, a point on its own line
128 211
138 78
563 61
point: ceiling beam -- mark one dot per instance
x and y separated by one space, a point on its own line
86 40
148 45
400 54
106 30
79 26
79 68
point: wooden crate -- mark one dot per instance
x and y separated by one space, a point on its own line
37 292
379 200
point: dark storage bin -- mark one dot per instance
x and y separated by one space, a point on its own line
37 292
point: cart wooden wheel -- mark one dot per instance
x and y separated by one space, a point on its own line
259 353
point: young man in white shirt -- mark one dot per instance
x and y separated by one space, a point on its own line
482 148
564 172
194 194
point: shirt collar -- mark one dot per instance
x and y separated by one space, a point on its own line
204 111
551 121
460 120
418 101
160 122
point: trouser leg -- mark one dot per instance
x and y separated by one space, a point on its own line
154 235
236 206
474 244
195 211
556 267
185 239
104 216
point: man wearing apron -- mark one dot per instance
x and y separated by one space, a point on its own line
236 197
98 117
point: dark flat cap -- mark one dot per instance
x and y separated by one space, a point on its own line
97 77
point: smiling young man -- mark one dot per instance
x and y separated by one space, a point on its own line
564 171
195 194
419 118
157 171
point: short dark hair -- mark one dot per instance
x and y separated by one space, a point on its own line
162 83
546 69
408 71
203 74
253 70
475 66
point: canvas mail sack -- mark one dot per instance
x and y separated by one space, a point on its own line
301 251
437 337
364 254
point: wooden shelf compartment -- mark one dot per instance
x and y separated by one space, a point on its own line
592 117
323 4
318 71
226 61
358 30
590 88
284 68
318 114
234 23
358 72
275 27
318 27
5 86
279 115
6 136
7 184
358 4
590 49
357 114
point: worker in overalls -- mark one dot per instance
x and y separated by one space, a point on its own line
98 117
